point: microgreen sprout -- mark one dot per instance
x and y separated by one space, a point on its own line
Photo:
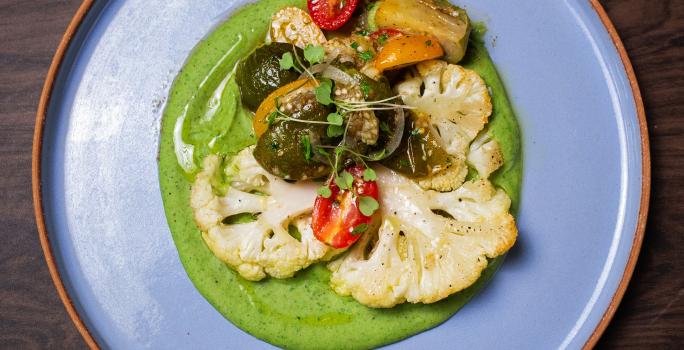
324 191
314 54
368 205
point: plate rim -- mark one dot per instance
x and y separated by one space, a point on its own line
36 168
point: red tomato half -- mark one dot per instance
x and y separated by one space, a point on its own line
334 218
331 14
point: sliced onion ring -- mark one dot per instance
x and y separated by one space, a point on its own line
330 72
316 68
397 133
338 75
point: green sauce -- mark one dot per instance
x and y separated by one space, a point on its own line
301 312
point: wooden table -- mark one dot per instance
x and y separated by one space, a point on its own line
651 315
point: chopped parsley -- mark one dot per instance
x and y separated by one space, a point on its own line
366 55
272 118
384 127
365 88
306 147
382 38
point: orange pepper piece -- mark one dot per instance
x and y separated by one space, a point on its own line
405 50
268 105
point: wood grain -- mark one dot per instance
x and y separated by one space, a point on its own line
651 315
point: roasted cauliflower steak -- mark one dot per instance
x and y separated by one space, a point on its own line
263 246
457 103
429 245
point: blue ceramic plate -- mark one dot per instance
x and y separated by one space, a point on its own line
100 214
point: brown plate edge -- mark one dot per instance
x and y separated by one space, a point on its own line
76 318
645 179
36 169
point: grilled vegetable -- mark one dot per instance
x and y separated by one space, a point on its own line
405 50
420 153
286 149
260 74
448 23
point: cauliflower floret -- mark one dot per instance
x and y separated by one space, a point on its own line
456 99
264 246
448 179
485 155
294 26
421 256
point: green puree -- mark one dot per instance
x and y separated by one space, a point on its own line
301 312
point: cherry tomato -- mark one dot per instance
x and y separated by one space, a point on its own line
331 14
335 218
385 33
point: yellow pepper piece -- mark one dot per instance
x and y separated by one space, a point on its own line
268 105
405 50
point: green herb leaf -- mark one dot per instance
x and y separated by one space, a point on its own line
286 62
345 180
382 38
323 91
339 181
362 32
272 118
348 178
369 175
361 228
335 118
368 205
334 130
366 55
306 147
324 191
384 127
354 45
415 132
428 43
365 88
314 54
404 163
